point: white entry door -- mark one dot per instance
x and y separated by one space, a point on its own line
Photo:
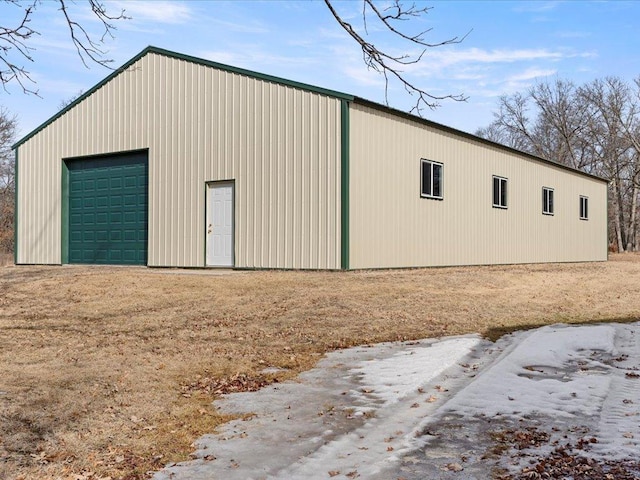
220 224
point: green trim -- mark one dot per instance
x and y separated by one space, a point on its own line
187 58
15 208
344 185
64 237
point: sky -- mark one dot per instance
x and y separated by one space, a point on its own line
508 46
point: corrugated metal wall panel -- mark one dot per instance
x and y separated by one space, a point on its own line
392 226
280 144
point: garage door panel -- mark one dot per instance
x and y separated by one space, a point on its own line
108 209
102 184
129 200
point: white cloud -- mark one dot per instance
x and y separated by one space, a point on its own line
477 55
530 74
161 11
362 76
247 26
253 58
573 34
536 7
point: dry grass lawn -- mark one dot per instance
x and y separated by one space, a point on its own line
110 372
6 259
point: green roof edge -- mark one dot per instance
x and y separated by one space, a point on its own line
192 59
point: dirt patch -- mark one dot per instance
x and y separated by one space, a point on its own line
6 259
110 372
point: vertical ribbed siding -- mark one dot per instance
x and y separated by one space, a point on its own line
280 144
392 226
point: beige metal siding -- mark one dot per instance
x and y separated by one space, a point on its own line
392 226
280 144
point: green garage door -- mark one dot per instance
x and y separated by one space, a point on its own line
107 209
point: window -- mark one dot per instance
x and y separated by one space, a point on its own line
584 208
431 179
547 201
499 192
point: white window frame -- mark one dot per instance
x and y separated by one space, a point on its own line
429 193
547 201
584 207
502 188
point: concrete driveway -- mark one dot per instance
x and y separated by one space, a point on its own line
452 408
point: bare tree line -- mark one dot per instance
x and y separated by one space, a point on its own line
593 127
8 126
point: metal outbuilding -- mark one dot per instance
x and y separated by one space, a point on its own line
178 161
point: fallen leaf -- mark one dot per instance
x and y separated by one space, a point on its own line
432 399
333 473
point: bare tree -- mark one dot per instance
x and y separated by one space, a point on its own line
561 121
8 125
390 65
512 125
613 131
545 121
15 48
594 128
64 103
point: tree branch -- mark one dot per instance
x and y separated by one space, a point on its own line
14 41
390 66
86 47
15 38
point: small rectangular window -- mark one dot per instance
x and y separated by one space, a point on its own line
584 208
499 192
547 201
431 179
